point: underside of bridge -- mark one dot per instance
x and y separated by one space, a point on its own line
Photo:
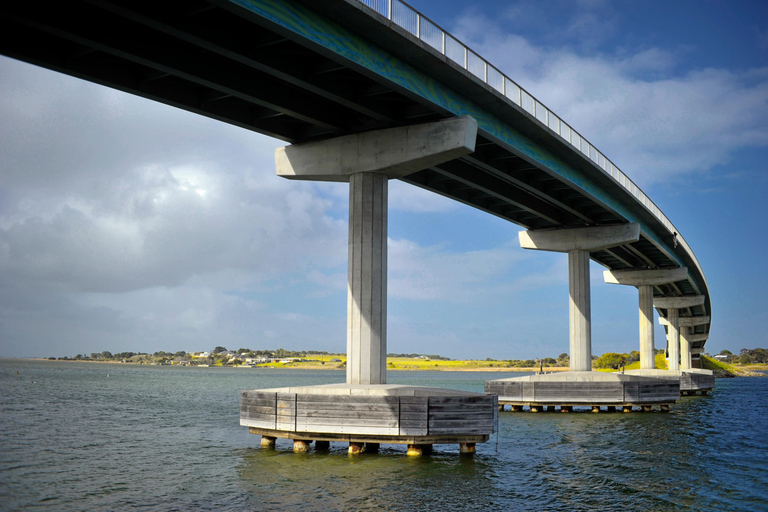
223 60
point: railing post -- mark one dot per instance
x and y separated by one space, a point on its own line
418 25
389 10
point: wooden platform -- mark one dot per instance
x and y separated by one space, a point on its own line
692 382
370 414
585 389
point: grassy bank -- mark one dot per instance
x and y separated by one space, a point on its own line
406 363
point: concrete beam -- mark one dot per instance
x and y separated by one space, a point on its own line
586 239
694 338
394 152
653 277
688 321
686 301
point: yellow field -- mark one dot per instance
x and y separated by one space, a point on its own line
405 363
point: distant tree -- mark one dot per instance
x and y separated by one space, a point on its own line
106 354
180 353
759 355
726 353
564 355
610 360
218 350
745 359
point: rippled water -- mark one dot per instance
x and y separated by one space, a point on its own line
79 436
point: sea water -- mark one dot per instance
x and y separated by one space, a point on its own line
101 437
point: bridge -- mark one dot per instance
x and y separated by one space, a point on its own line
370 90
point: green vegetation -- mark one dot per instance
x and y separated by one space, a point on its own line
713 364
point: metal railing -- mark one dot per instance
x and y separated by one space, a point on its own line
424 29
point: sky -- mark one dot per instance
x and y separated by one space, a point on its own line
127 225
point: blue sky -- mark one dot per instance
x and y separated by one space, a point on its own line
131 226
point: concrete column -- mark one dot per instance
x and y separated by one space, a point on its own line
673 339
685 348
645 280
579 311
673 322
647 349
367 280
578 243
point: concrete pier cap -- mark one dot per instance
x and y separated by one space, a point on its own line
652 277
394 152
592 238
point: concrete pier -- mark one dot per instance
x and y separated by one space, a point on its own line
366 410
673 305
584 389
578 242
367 415
581 386
645 280
692 381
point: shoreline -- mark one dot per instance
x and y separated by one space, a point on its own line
749 371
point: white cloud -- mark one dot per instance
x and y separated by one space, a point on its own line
653 122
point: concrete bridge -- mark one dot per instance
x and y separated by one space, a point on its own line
367 91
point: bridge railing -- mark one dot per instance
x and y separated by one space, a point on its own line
424 29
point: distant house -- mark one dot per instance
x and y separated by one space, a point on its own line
721 356
335 360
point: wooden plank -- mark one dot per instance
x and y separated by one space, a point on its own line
404 416
254 401
479 399
343 399
413 400
460 417
352 408
252 409
334 429
439 431
436 422
413 408
349 414
413 431
347 422
258 423
467 408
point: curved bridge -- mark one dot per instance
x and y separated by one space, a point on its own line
305 71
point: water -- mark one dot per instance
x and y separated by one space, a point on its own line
98 437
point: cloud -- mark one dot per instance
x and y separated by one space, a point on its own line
435 274
654 120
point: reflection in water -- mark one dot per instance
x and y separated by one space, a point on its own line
387 481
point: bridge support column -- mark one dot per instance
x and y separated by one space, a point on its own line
687 337
647 341
673 339
645 280
367 161
578 243
367 280
579 311
673 306
685 348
